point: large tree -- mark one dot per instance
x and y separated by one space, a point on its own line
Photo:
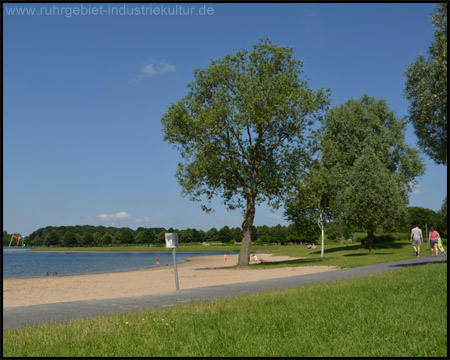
426 90
366 123
242 130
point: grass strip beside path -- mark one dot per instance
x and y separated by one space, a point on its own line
401 313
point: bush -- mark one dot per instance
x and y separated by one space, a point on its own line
265 239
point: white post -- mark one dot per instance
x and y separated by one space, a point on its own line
175 268
172 243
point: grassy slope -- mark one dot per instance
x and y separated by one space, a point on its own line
399 313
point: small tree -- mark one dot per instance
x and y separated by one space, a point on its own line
313 200
374 197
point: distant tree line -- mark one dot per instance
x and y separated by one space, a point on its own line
301 232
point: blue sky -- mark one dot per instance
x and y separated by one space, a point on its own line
85 88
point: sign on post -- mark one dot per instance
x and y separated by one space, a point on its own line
171 240
172 243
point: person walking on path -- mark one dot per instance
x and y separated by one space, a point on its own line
416 239
434 237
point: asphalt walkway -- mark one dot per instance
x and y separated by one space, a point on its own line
23 316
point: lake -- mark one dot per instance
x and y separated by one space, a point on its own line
22 263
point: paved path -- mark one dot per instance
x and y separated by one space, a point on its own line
23 316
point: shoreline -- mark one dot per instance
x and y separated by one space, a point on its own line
184 255
196 272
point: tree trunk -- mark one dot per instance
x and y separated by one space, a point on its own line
249 216
370 240
321 224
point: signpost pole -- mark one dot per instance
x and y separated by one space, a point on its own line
172 243
175 267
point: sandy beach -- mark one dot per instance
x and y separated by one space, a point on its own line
196 272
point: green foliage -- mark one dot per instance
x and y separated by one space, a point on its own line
307 232
224 235
69 239
443 218
242 130
266 239
52 238
145 236
426 90
87 239
422 217
107 239
350 128
313 198
372 167
6 238
373 197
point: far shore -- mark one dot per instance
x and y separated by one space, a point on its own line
196 272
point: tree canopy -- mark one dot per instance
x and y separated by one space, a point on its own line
313 199
368 127
426 90
372 198
242 130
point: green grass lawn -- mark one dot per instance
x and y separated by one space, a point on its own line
353 255
345 256
401 313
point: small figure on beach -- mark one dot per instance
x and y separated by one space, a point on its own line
433 235
47 274
225 257
55 273
157 261
416 239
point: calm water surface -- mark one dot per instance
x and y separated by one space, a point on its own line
21 263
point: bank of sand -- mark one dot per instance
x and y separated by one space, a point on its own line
196 272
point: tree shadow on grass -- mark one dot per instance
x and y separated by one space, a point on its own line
341 248
365 254
389 245
307 261
352 247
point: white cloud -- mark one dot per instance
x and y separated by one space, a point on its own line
273 216
415 188
121 215
146 219
151 68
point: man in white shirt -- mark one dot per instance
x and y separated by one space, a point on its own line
416 239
